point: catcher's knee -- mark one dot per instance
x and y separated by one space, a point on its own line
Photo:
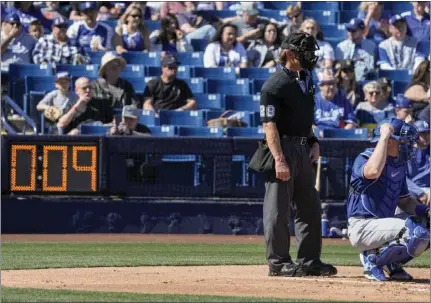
418 236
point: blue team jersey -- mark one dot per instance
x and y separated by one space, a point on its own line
81 35
132 42
334 113
376 198
418 169
418 28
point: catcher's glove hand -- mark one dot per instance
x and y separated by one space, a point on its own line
53 113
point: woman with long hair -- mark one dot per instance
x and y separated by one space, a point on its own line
265 51
131 34
169 38
224 50
418 90
375 19
346 80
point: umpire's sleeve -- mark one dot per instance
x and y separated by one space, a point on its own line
269 107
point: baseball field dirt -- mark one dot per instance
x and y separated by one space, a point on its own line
251 281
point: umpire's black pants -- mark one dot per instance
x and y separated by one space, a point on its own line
300 194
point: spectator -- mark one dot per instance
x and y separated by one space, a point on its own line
418 21
129 125
295 16
168 92
88 33
386 90
194 26
375 20
346 81
375 108
265 51
325 52
58 102
398 51
16 44
173 8
225 50
418 90
358 49
250 24
26 12
51 11
131 33
424 115
404 109
332 109
36 29
169 38
209 6
57 48
86 109
110 87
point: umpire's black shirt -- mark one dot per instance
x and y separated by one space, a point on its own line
284 102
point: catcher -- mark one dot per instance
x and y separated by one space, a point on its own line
378 185
58 102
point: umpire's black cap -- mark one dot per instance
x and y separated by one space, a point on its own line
300 39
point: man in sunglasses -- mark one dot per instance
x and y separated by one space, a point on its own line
16 44
57 48
167 91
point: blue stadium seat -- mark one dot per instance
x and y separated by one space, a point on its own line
399 87
149 59
83 70
182 118
257 86
323 17
215 73
278 15
395 75
152 25
147 117
358 133
350 5
225 14
278 5
229 87
347 15
334 31
256 73
88 129
163 131
133 71
199 45
252 132
184 72
398 6
192 59
238 104
210 101
197 85
321 5
334 41
39 84
242 115
423 48
96 57
216 132
138 84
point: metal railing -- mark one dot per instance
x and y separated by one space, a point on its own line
6 100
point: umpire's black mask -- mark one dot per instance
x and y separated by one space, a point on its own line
304 46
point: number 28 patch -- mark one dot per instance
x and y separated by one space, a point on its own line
267 111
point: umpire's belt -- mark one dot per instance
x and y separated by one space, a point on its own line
300 140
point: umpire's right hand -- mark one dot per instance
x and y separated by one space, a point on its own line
282 170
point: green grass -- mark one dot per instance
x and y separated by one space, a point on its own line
44 295
57 255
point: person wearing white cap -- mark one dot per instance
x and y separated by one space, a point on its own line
110 86
129 125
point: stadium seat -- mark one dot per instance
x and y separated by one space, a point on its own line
242 115
184 72
257 86
401 75
423 48
216 132
149 59
163 131
334 41
350 5
197 85
399 6
133 71
39 84
147 117
229 87
225 14
152 25
347 15
182 118
192 59
358 133
321 5
210 101
399 87
322 17
278 5
199 45
278 15
215 73
256 73
238 104
139 84
83 70
96 57
88 129
334 31
252 132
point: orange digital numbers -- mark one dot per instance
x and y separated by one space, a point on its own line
13 173
92 168
46 150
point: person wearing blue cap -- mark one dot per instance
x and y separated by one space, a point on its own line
358 49
403 108
16 44
399 51
56 48
88 33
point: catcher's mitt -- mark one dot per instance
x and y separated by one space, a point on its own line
53 113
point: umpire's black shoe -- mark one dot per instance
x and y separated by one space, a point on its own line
321 269
288 270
